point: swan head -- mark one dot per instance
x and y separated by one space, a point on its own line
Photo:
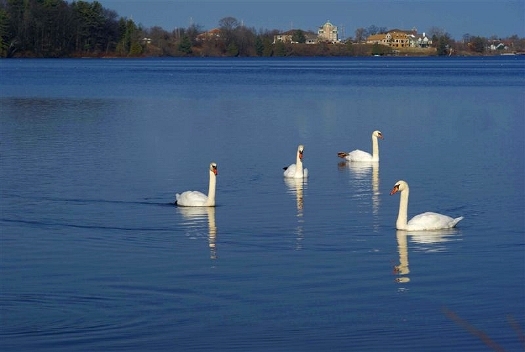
377 134
300 150
213 168
399 187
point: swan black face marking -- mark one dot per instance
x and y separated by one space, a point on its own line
395 189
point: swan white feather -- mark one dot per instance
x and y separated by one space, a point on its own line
296 170
424 221
196 198
359 155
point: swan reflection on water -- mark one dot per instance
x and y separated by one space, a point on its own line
362 171
296 187
196 216
427 241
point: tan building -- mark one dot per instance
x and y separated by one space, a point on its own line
400 39
285 37
377 39
327 33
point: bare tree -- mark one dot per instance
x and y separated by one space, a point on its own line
228 23
373 29
436 32
360 35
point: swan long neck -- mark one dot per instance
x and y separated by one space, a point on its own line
402 217
211 189
375 149
298 164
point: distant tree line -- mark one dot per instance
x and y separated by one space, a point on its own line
56 28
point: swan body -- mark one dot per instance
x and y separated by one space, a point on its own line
296 170
196 198
359 155
424 221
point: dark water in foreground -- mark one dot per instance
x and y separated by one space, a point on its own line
95 256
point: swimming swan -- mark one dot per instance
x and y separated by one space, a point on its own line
196 198
359 155
425 221
296 170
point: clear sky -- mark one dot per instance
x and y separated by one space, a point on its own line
485 18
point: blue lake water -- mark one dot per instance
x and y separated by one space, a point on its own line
94 255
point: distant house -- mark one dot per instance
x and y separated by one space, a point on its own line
419 40
286 37
498 46
327 33
377 39
397 38
311 38
209 35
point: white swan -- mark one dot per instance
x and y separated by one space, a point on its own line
196 198
359 155
425 221
296 170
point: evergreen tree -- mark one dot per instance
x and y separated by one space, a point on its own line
185 45
442 42
279 49
232 49
298 36
477 44
135 49
4 37
259 46
268 47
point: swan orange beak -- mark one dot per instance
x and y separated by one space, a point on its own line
394 190
301 155
380 136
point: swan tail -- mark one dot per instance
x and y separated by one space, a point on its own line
456 220
342 155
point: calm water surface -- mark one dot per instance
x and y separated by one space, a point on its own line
95 256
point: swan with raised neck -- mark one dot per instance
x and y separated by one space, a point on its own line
196 198
424 221
296 170
359 155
